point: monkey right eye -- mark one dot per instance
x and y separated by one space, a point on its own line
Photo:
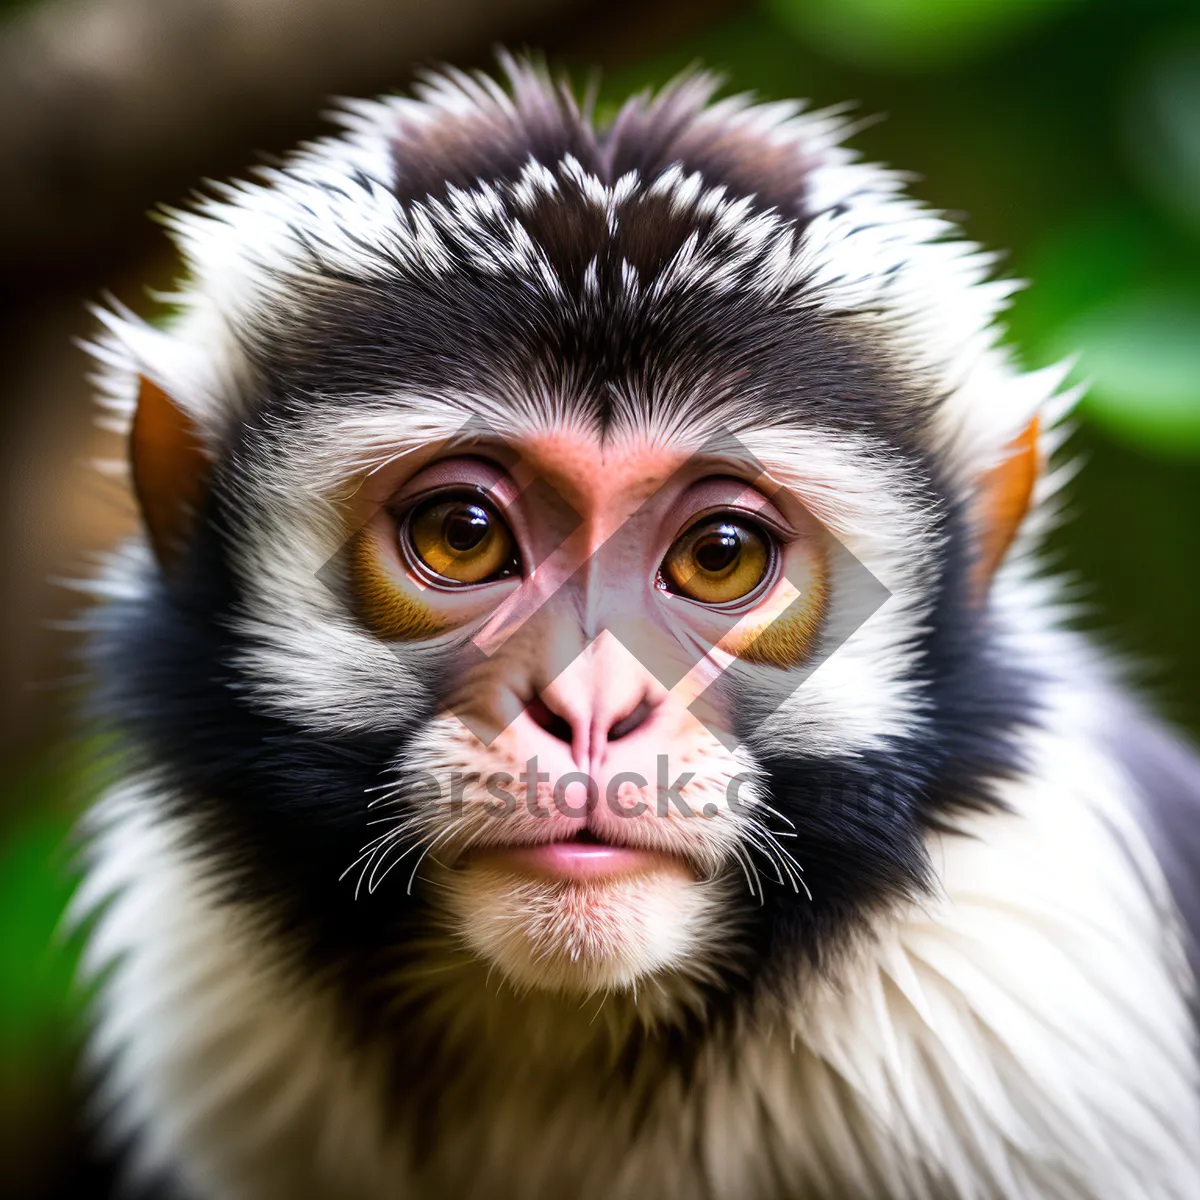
459 539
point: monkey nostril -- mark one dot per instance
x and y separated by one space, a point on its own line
628 724
549 720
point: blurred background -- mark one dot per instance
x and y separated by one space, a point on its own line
1066 132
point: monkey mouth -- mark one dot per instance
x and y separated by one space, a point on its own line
581 858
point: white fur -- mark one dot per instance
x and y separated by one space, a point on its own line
1023 1033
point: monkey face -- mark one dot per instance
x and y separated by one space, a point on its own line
584 815
583 577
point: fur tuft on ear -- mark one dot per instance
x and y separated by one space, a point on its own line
170 469
1002 501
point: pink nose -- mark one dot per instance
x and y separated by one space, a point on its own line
605 696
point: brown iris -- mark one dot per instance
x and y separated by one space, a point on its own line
718 561
461 539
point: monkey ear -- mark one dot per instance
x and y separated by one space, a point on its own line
170 470
1002 501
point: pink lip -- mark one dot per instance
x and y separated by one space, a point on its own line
578 861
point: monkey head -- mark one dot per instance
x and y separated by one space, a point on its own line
570 549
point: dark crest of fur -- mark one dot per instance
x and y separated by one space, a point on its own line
542 120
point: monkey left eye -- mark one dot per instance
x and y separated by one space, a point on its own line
460 540
718 560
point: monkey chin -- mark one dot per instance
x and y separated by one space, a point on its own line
581 936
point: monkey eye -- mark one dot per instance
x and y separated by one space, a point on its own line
718 560
460 539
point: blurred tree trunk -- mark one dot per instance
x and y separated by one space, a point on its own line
105 104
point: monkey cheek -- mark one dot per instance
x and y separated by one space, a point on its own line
580 937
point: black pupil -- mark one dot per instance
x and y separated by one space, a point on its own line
717 551
465 527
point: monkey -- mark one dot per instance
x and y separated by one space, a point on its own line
589 714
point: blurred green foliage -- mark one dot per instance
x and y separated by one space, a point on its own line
39 1004
909 35
35 967
37 954
1065 131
